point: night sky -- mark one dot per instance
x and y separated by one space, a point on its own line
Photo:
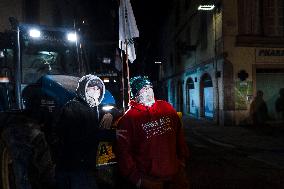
102 18
150 15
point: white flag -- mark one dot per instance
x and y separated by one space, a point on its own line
127 28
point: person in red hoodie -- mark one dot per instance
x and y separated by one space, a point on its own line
154 150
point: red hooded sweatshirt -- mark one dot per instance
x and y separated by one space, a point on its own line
155 143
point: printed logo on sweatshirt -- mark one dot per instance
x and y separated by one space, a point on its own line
157 127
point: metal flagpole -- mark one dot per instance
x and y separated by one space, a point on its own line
127 31
122 78
127 70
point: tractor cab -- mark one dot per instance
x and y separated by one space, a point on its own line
48 51
30 53
40 68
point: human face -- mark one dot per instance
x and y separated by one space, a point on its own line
92 95
146 96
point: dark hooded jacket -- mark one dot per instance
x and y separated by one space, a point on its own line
79 134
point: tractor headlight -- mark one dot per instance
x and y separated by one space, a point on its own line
34 33
108 107
72 37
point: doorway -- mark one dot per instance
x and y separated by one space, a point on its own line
270 81
190 100
206 95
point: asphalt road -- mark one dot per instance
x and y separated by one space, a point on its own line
216 166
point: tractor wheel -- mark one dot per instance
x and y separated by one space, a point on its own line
25 160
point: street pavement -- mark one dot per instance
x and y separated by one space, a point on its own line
265 144
231 157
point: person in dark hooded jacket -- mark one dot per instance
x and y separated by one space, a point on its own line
154 151
279 104
258 110
78 133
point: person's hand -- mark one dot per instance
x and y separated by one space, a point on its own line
121 133
106 121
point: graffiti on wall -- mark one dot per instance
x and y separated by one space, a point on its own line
243 94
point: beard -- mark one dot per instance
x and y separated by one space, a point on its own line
146 99
92 102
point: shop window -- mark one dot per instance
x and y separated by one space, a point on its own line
206 95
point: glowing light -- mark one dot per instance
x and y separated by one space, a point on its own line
4 80
72 37
34 33
206 7
106 80
107 107
47 52
106 60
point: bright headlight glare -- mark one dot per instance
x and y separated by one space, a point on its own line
107 107
72 37
35 33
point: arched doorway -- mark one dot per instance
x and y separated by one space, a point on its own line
179 96
190 105
206 96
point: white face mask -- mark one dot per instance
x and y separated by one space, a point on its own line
146 96
93 95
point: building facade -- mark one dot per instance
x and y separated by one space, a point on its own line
43 12
216 60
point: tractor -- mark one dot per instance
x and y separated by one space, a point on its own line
39 70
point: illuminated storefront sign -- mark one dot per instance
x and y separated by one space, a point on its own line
271 52
269 55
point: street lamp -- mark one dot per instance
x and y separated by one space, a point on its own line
206 7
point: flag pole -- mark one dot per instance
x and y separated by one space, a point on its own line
127 32
127 71
122 79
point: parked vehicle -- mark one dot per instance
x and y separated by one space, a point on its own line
39 70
